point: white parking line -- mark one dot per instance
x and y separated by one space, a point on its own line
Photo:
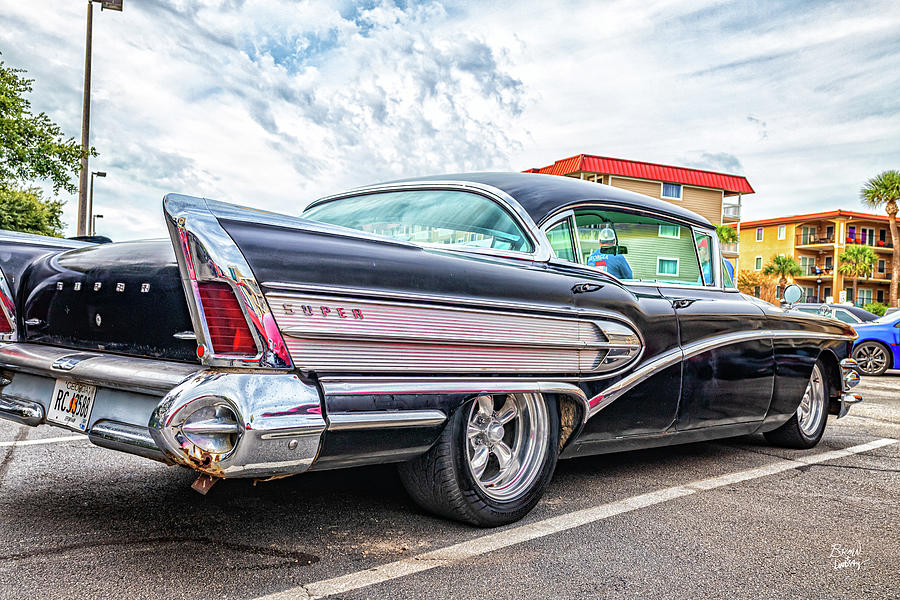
68 438
523 533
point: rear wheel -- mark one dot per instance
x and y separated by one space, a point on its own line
872 358
492 462
805 428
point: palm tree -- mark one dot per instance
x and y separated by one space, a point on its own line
884 190
784 267
727 234
857 261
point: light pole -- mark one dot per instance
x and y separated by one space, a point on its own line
90 208
83 214
94 223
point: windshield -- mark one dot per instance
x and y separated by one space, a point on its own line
441 217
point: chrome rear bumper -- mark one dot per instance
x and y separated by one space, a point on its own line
849 380
142 405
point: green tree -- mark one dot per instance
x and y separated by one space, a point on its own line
857 261
28 211
32 146
727 234
783 267
883 191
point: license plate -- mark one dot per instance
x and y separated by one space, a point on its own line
71 404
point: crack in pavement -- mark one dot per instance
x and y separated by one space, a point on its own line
4 464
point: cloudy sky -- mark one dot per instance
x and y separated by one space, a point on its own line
273 103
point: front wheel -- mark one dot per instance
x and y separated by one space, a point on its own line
806 426
872 358
492 462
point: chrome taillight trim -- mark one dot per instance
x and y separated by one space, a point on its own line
7 309
206 252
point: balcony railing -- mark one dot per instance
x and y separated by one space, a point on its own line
881 275
802 239
731 247
731 211
871 243
814 271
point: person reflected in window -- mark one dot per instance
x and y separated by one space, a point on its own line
606 258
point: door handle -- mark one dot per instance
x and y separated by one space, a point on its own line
682 302
583 288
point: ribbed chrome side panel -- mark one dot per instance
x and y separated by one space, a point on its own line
327 333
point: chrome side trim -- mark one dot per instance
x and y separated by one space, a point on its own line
542 251
126 438
7 309
333 334
671 357
206 252
142 375
362 386
445 299
385 419
21 411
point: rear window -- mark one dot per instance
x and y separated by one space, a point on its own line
434 217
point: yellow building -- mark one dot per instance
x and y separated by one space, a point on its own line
716 196
815 241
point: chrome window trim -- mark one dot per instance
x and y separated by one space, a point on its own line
573 235
542 251
192 224
558 215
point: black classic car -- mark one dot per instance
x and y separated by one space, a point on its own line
471 328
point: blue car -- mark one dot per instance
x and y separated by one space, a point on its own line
877 348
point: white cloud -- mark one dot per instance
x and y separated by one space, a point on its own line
272 103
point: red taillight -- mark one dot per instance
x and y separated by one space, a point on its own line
228 329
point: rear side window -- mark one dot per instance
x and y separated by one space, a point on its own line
640 248
445 218
560 236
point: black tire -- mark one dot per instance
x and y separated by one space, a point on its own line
873 358
798 432
442 482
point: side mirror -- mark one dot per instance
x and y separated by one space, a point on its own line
791 295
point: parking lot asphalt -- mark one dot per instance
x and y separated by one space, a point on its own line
733 518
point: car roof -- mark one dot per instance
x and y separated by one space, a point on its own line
859 312
542 195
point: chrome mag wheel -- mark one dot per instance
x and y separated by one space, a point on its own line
506 444
871 358
812 408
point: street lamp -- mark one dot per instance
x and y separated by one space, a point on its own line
83 212
94 223
91 199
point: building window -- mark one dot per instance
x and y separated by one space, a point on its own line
757 263
778 291
670 231
849 292
781 232
882 235
667 266
671 190
880 296
757 291
827 294
829 262
881 266
759 234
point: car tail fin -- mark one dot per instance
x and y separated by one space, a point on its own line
232 320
